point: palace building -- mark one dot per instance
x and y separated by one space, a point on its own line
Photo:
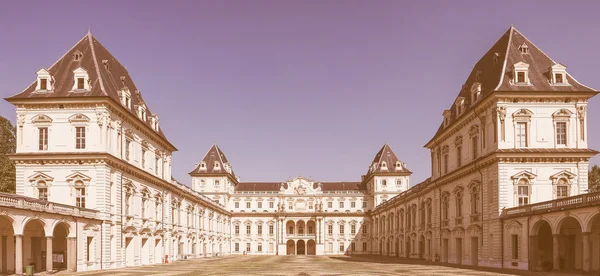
508 185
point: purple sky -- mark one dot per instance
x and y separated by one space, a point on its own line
306 87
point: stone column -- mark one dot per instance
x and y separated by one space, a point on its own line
19 254
71 254
586 251
555 253
318 231
49 254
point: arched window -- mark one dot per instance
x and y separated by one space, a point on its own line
562 188
523 191
445 206
474 200
459 204
42 190
79 194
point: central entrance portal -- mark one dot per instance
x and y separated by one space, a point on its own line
301 247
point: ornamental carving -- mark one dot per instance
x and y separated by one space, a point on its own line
458 141
581 111
21 119
522 115
501 110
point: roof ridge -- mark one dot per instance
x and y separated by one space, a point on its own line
93 50
382 151
512 28
219 153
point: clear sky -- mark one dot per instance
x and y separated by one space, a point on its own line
297 87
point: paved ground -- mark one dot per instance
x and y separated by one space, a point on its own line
303 266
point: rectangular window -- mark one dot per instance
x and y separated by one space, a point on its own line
330 229
310 205
352 204
341 229
353 247
474 203
259 205
445 163
143 158
458 155
80 137
271 205
43 193
80 197
247 205
237 247
459 207
515 246
341 247
127 150
520 77
364 246
523 195
521 135
237 205
237 229
474 142
247 247
43 84
291 230
341 204
562 191
43 138
248 229
89 249
364 204
271 230
558 78
352 229
260 229
259 247
330 204
561 133
157 160
364 229
80 83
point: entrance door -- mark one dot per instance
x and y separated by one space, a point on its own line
408 248
301 247
397 249
291 247
445 251
421 249
474 251
459 251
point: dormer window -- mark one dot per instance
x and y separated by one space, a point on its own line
125 97
478 75
216 166
141 112
524 49
558 73
521 76
459 103
383 165
154 122
398 165
44 83
82 80
203 166
77 56
475 92
495 58
446 115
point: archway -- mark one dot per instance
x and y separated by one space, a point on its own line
300 228
7 246
301 247
541 246
569 245
34 243
311 228
290 226
291 247
594 242
311 247
59 246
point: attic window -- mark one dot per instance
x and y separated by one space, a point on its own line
77 56
495 58
558 74
459 105
44 83
446 115
520 70
81 79
524 49
106 66
475 92
123 81
383 165
477 75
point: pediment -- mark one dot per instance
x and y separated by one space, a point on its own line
562 113
40 176
524 174
80 70
41 119
476 87
79 118
558 67
521 64
43 72
78 176
523 112
564 173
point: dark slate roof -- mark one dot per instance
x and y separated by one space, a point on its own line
104 83
259 186
342 186
387 155
212 157
497 76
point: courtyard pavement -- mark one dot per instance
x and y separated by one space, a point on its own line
304 266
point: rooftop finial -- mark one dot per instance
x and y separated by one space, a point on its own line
89 30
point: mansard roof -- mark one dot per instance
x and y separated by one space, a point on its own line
107 77
494 72
276 186
214 162
385 162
